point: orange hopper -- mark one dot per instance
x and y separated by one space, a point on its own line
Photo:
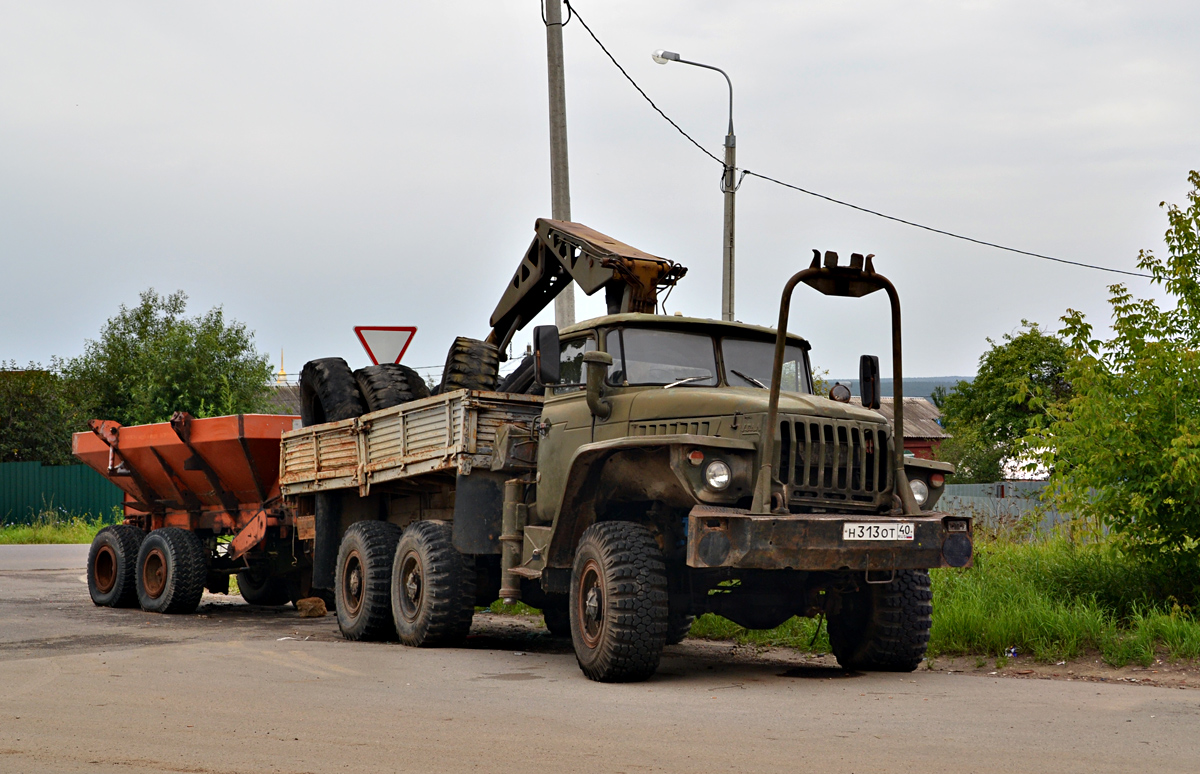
219 474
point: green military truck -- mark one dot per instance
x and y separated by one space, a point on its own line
635 471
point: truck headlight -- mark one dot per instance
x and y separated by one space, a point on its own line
920 490
717 475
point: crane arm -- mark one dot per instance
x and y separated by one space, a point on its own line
563 251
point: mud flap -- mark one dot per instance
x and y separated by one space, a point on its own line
478 510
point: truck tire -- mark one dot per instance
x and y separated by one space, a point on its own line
618 602
328 392
364 569
258 588
112 566
389 384
678 626
172 565
470 365
433 587
884 627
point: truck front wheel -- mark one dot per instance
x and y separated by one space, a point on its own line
884 627
364 569
433 587
618 602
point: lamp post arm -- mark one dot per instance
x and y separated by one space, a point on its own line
722 72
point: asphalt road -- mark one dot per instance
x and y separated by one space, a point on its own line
237 689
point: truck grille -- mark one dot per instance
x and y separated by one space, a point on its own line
825 461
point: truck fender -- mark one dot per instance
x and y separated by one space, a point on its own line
600 472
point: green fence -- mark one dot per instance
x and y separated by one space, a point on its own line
29 488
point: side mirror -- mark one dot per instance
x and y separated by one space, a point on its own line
868 380
545 354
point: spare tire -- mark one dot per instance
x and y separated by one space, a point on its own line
389 384
470 365
328 392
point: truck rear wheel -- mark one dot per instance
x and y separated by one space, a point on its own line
328 392
618 602
364 568
433 587
112 566
470 365
172 566
259 588
884 627
389 384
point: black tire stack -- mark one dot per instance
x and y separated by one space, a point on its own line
470 365
328 392
389 384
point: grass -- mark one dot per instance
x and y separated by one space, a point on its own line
55 526
1051 600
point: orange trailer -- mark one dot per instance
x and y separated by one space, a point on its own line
202 502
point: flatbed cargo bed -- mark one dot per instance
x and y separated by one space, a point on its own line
443 434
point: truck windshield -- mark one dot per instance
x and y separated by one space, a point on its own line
748 363
647 356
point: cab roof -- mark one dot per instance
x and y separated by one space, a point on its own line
719 327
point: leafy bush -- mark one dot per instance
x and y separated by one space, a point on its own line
38 412
986 418
151 361
1125 449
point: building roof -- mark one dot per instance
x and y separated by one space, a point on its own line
286 398
921 418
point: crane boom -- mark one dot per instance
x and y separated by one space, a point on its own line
563 251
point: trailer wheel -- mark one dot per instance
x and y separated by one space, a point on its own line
364 569
328 392
884 627
389 384
433 587
172 565
261 588
470 365
618 602
112 566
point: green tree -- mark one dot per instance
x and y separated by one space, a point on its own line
1125 449
152 360
39 410
1017 379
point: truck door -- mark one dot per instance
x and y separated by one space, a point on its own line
566 419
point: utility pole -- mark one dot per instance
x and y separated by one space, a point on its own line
560 183
729 187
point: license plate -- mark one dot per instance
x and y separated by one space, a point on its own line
896 530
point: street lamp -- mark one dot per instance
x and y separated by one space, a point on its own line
728 185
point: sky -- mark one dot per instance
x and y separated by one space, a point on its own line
312 166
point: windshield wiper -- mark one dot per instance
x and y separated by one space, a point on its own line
750 379
686 380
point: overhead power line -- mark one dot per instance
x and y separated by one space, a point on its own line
575 13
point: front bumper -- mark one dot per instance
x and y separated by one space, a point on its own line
730 537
